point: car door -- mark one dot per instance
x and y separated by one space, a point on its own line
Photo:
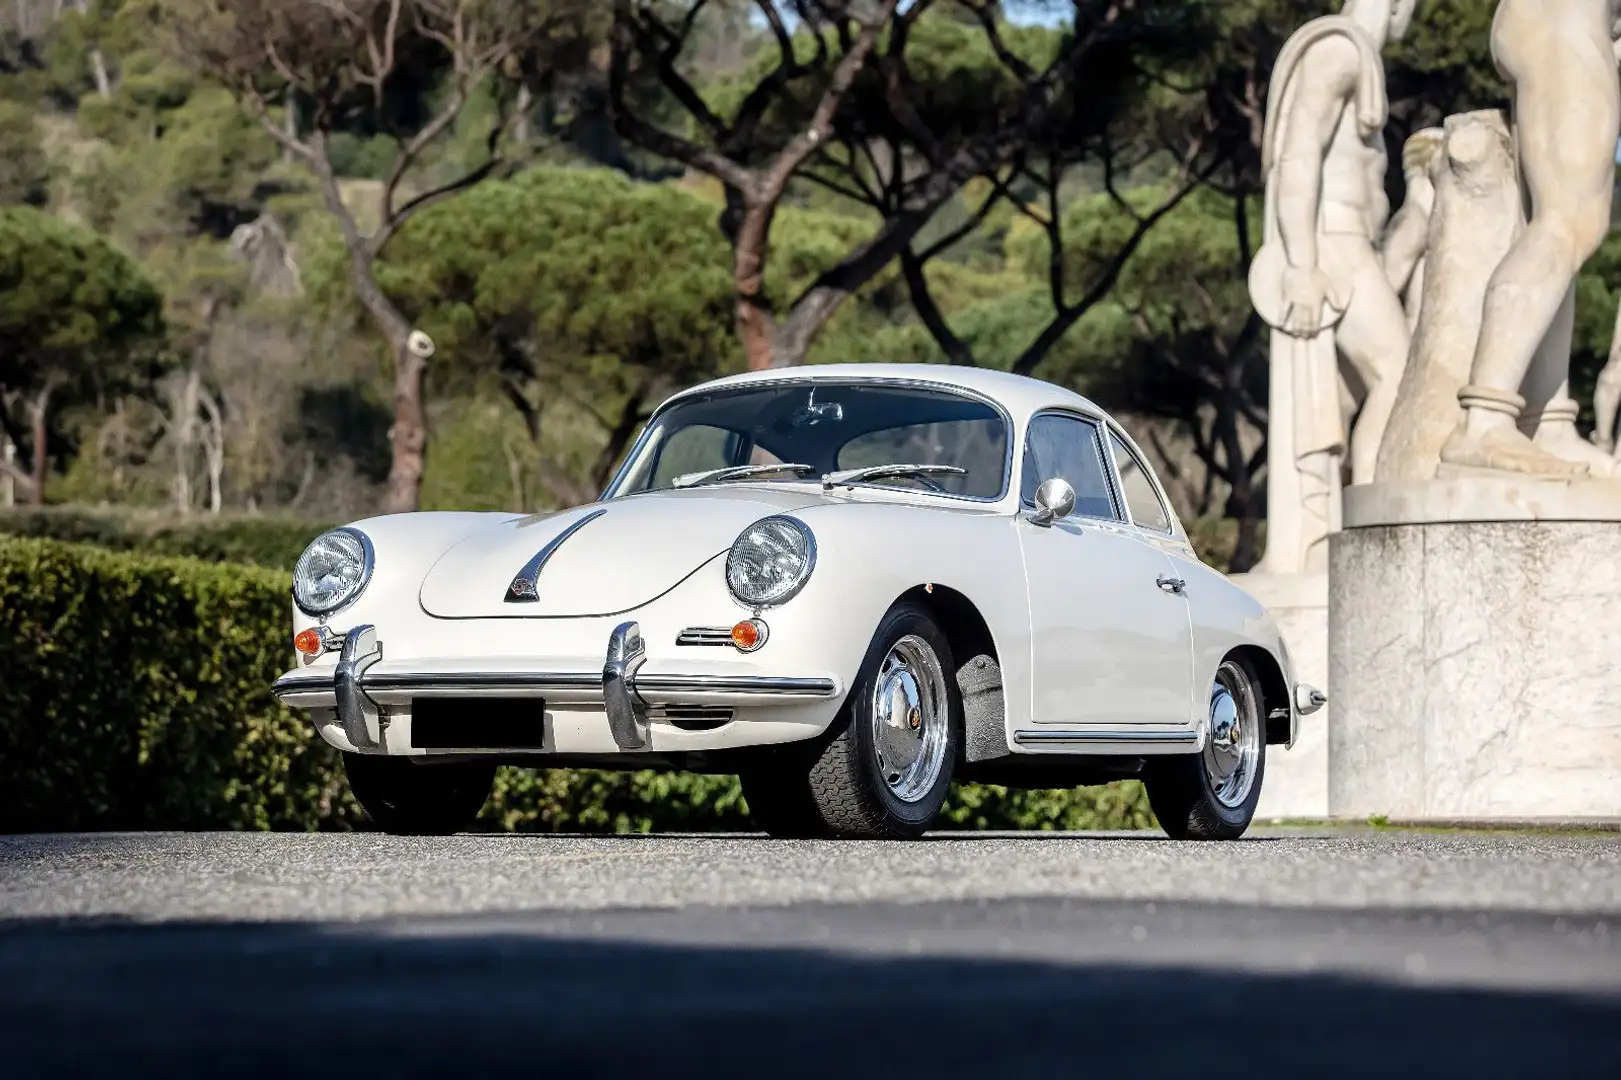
1110 644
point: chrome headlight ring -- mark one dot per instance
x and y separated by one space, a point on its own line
770 561
333 571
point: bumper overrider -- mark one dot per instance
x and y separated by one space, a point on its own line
625 692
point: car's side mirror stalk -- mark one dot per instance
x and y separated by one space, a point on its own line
1055 499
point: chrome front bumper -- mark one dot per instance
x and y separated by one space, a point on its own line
621 687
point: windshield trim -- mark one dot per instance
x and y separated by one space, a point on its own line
636 448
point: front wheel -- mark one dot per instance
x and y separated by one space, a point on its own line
409 799
884 769
1212 795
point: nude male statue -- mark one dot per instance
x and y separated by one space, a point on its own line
1318 280
1560 56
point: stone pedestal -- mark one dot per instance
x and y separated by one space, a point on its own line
1474 627
1296 783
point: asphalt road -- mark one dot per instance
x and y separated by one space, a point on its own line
1335 954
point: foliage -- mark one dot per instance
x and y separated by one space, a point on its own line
272 542
78 320
134 694
72 307
24 172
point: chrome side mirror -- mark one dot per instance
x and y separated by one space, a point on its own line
1055 499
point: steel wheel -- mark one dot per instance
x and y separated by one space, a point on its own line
910 719
1233 748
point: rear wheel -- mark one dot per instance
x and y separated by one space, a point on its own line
1212 795
883 770
409 799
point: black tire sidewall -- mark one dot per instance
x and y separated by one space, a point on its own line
901 620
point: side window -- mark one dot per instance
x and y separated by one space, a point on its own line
1146 508
1067 446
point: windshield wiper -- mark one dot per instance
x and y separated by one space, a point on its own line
889 472
739 472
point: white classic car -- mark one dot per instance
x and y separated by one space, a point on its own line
848 584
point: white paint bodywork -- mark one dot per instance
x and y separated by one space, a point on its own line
1087 642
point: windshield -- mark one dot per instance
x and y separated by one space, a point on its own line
830 426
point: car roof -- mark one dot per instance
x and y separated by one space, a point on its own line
1019 394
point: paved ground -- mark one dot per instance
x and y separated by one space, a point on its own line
1333 954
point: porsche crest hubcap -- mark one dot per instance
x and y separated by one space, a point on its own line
1232 752
909 719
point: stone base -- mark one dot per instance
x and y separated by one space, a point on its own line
1473 670
1296 782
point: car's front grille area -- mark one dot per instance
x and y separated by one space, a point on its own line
478 723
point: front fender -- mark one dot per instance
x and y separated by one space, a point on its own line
870 555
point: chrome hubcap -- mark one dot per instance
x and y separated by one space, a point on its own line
909 719
1234 746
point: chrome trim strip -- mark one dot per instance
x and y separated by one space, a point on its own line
764 685
525 586
487 680
737 684
1028 737
705 635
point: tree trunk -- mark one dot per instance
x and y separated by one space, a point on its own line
214 449
184 428
755 326
40 410
408 436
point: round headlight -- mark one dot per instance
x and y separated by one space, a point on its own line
770 561
332 571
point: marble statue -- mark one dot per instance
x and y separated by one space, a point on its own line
1473 220
1318 280
1407 237
1560 58
1607 394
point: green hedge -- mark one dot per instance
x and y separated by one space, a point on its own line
134 695
274 542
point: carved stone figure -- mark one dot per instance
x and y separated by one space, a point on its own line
1408 235
1607 393
1560 57
1474 218
1317 279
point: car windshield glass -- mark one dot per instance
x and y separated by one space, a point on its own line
832 426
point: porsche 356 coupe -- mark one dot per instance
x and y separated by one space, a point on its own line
847 584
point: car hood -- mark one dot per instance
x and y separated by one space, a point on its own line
607 557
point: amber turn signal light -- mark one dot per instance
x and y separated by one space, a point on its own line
309 642
749 635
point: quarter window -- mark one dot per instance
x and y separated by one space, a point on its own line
1068 447
1146 508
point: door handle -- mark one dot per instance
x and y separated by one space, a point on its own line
1171 584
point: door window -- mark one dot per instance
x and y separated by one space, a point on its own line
1068 447
1144 502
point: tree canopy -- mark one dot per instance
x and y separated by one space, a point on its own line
78 319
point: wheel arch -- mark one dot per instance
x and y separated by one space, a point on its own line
979 671
1274 686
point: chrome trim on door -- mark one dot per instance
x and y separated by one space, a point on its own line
1027 737
525 586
